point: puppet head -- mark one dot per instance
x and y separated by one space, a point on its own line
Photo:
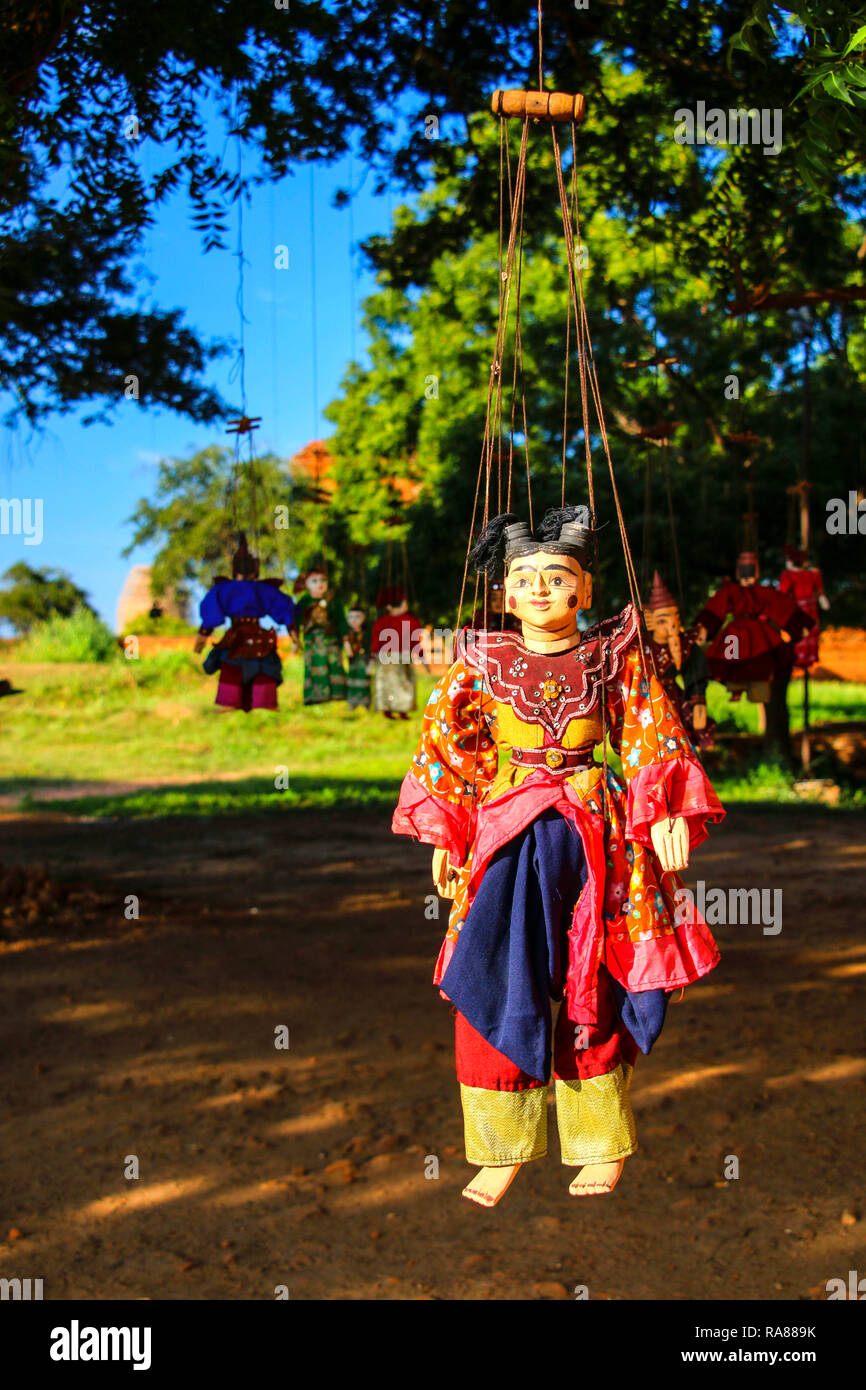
356 618
393 599
748 570
547 579
316 583
795 558
662 617
244 565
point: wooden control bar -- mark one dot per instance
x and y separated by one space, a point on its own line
541 106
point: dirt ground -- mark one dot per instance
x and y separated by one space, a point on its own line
305 1167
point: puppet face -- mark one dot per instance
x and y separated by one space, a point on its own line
545 591
355 619
316 584
395 609
663 624
747 568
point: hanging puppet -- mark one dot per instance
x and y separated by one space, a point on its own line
396 645
749 650
677 654
246 655
357 648
804 583
564 881
323 624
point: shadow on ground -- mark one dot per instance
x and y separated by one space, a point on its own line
153 1039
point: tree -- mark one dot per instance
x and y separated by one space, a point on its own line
201 504
830 43
661 277
80 88
33 595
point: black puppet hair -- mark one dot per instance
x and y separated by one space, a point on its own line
569 526
562 531
487 553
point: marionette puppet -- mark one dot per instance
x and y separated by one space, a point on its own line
357 648
246 655
396 645
323 624
563 876
745 621
676 653
804 583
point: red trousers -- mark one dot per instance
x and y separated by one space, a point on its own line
579 1050
505 1109
260 693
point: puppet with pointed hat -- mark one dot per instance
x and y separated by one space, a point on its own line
677 654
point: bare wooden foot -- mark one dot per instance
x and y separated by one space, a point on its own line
596 1178
489 1184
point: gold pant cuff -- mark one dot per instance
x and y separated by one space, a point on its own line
504 1127
595 1119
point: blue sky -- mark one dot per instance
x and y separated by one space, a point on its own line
91 477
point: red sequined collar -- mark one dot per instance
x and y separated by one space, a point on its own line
550 690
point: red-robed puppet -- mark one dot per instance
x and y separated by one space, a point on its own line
805 585
563 887
396 645
745 620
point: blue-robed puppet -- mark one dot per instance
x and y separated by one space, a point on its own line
246 655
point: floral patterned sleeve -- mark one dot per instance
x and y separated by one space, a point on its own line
454 764
663 774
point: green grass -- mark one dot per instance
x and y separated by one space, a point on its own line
829 701
153 720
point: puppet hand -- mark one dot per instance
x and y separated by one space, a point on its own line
444 876
699 716
700 634
200 641
671 843
824 601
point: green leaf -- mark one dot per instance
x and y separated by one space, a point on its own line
857 40
835 87
815 81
